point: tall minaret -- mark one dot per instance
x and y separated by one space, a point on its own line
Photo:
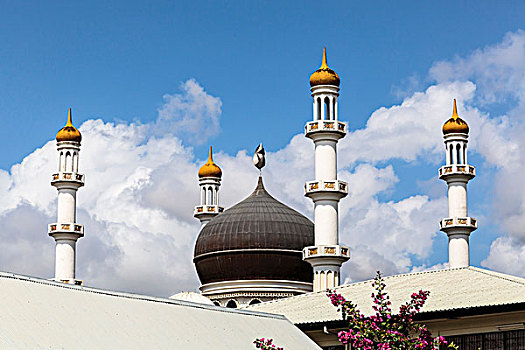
67 181
457 174
327 256
209 181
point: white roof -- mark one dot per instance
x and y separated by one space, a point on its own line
450 289
40 314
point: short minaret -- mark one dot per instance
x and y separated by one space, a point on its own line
327 256
67 181
209 181
457 174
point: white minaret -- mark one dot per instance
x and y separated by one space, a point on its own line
209 181
67 181
457 174
327 256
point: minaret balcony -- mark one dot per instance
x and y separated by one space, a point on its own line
457 169
65 228
207 209
336 187
68 177
326 251
326 126
467 223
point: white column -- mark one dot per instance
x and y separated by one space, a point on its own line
325 160
66 211
457 199
65 259
326 222
458 250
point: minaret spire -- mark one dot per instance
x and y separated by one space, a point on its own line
209 181
327 256
457 173
324 64
69 122
67 181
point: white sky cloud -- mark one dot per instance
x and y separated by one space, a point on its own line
192 115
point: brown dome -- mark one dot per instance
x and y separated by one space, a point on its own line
455 124
69 132
324 75
210 169
258 238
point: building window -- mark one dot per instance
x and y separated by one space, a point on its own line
232 304
255 301
514 340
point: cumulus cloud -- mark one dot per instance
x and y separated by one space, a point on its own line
192 115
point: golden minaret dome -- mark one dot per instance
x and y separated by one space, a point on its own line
69 132
324 75
210 169
455 124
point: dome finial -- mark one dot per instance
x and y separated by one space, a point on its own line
210 156
455 124
69 122
324 75
210 169
324 64
258 158
69 132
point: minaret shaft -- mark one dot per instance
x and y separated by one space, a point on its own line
457 198
326 222
66 211
325 159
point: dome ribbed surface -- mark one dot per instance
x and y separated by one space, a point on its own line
258 238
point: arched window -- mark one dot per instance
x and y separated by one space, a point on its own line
232 304
334 109
464 154
61 162
67 164
318 108
203 196
210 196
450 154
458 153
75 162
328 115
254 301
216 303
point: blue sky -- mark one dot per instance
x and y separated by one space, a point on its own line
116 60
139 66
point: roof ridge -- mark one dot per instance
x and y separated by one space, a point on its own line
500 275
127 295
348 285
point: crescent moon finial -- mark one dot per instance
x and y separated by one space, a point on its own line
258 157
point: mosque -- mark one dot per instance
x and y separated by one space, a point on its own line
263 265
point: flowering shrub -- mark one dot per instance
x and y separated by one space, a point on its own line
266 344
384 330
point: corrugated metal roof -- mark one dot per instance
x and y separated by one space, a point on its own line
40 314
450 289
